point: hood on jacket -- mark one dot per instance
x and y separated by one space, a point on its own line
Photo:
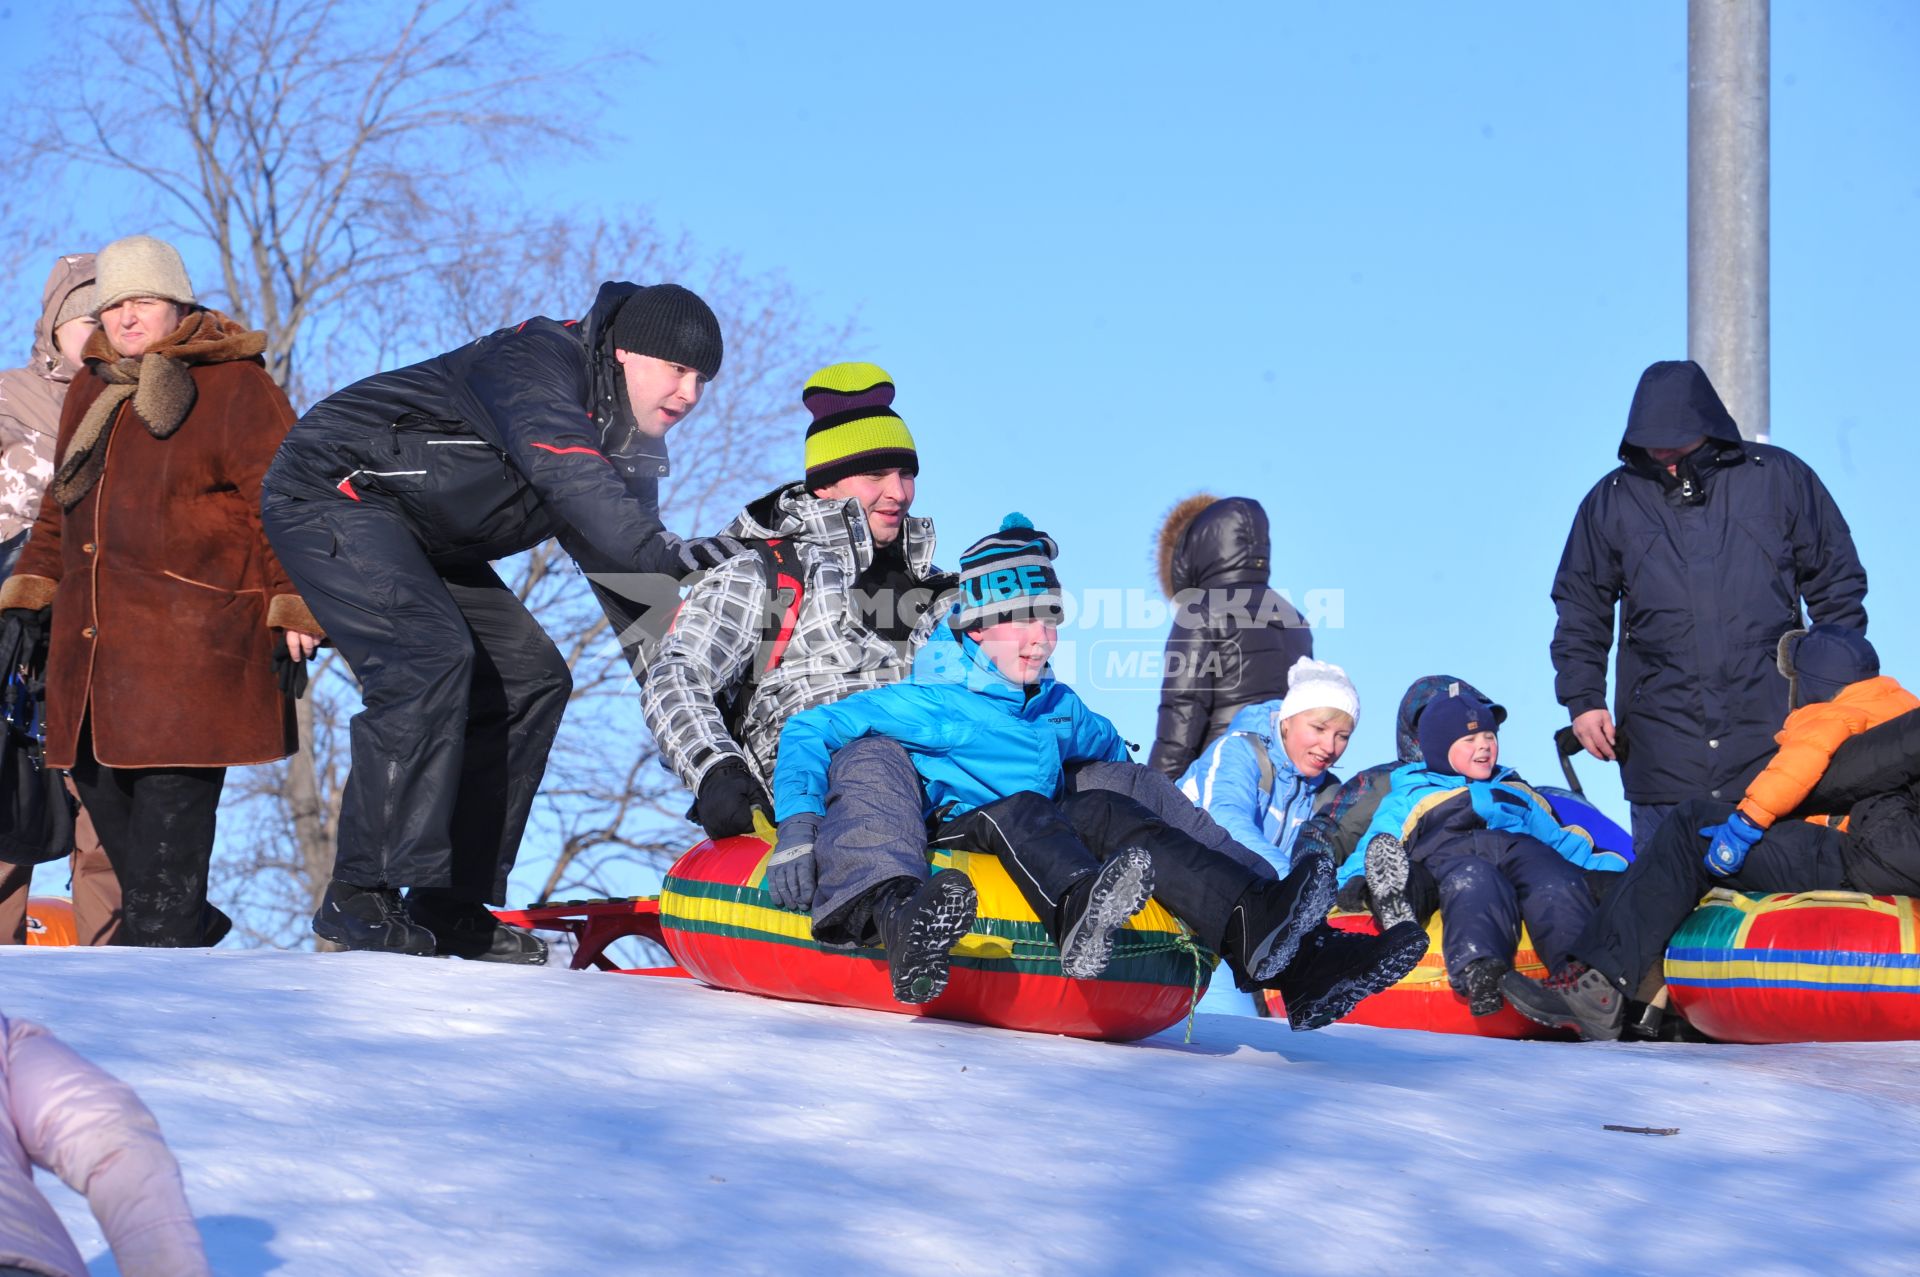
629 447
70 274
839 524
1225 543
1673 405
1173 530
949 657
1406 724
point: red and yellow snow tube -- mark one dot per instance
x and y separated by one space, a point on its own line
1424 1000
726 931
50 921
1819 966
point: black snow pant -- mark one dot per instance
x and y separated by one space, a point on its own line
1048 848
1490 882
463 693
874 831
156 825
1668 876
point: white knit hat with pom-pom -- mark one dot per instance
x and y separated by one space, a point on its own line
1315 684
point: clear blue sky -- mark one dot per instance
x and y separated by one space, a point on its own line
1392 269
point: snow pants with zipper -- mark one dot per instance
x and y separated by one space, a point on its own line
1490 882
463 694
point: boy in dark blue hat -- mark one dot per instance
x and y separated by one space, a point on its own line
1491 843
1869 844
991 733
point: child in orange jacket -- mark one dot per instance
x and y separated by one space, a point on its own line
1838 692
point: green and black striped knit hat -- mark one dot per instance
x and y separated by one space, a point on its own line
855 429
1009 575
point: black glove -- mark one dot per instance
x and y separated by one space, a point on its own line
23 640
697 554
728 795
291 674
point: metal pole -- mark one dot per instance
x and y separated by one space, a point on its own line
1727 191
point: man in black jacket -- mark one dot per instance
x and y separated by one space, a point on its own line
387 503
1709 544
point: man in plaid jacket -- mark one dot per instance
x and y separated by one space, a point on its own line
867 602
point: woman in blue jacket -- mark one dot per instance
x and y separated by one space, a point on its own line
1269 774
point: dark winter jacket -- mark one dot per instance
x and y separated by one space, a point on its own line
492 448
1709 566
1233 638
1335 830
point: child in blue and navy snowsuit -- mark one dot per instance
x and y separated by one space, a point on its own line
991 733
1492 844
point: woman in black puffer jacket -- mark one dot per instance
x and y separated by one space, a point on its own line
1233 638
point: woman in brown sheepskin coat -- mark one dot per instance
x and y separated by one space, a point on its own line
1233 638
167 604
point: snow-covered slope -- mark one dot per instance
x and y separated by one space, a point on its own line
352 1114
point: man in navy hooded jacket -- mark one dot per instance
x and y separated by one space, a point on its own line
1709 544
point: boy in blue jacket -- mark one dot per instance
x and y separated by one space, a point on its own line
1492 845
991 733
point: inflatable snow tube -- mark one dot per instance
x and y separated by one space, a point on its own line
1570 808
723 928
50 921
1424 1000
1819 966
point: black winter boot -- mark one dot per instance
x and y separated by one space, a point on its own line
1479 984
1387 872
1104 903
369 918
1334 970
214 924
920 931
468 929
1270 920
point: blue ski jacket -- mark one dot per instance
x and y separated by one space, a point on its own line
973 734
1263 808
1422 803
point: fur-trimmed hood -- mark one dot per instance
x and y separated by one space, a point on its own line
1173 530
1208 542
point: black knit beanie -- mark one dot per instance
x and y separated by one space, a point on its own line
671 323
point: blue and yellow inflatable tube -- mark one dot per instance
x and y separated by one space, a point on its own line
722 927
1816 966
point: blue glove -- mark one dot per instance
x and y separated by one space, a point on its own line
1729 844
790 873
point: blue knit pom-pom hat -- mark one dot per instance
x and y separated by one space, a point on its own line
1009 575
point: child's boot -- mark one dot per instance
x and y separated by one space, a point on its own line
1270 919
1334 970
1479 984
921 930
1099 905
1387 872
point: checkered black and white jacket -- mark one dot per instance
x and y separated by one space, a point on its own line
834 650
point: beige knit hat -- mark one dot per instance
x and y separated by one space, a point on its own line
139 266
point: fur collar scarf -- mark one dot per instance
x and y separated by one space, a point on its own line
159 384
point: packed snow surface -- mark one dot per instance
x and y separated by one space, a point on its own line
367 1114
